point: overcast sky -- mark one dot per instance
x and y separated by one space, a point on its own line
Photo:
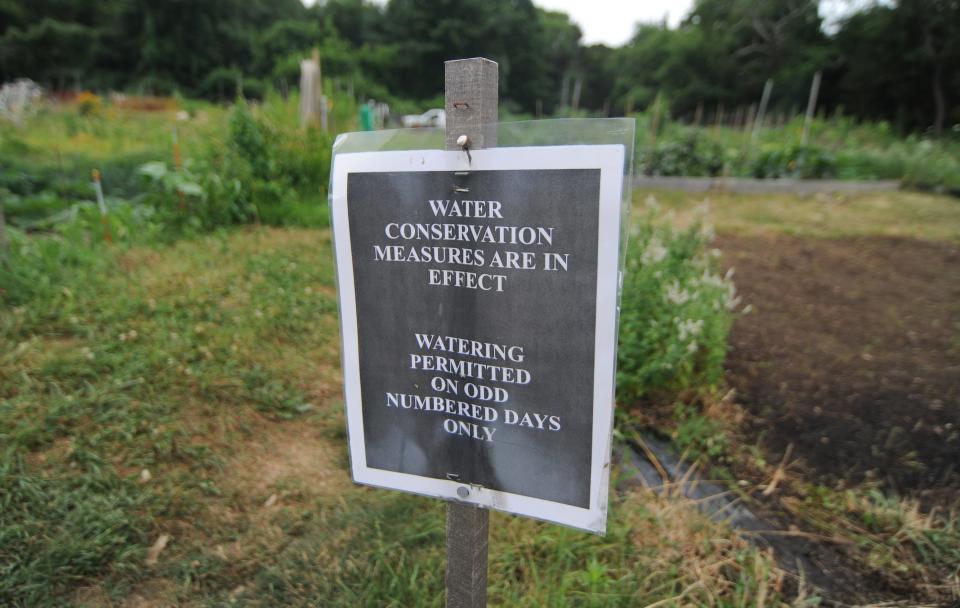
612 22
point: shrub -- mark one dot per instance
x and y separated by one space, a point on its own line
690 154
795 161
675 311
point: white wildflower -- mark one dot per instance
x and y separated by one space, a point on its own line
654 253
692 348
732 299
689 328
676 295
712 280
707 232
651 203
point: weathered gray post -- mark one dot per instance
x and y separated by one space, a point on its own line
762 113
811 108
471 90
3 235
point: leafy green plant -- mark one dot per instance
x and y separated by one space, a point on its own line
675 311
699 435
802 162
689 154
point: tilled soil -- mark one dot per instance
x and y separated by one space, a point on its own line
852 353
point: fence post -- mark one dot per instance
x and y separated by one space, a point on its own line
471 91
3 234
762 113
811 108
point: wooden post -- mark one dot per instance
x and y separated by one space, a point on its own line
311 90
655 120
322 98
575 100
811 108
762 112
3 234
471 90
177 162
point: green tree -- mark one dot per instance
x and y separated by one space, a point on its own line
902 62
423 34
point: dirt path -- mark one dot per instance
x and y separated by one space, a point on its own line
852 353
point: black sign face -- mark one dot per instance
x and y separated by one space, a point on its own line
478 322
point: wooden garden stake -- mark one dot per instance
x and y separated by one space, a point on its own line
762 112
177 162
471 90
3 234
811 108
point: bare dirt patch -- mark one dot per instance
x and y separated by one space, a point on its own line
852 353
287 457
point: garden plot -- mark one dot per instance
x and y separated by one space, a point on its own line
852 355
839 427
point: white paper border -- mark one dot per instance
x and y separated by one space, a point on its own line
609 159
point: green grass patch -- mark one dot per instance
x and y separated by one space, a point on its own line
890 214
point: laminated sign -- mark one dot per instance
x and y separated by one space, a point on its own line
478 304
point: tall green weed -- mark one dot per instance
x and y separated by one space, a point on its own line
676 311
263 171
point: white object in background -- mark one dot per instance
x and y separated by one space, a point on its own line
431 118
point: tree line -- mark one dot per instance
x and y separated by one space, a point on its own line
897 61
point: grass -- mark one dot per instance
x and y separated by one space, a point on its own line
161 364
192 390
890 214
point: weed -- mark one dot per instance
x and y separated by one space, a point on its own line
675 312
